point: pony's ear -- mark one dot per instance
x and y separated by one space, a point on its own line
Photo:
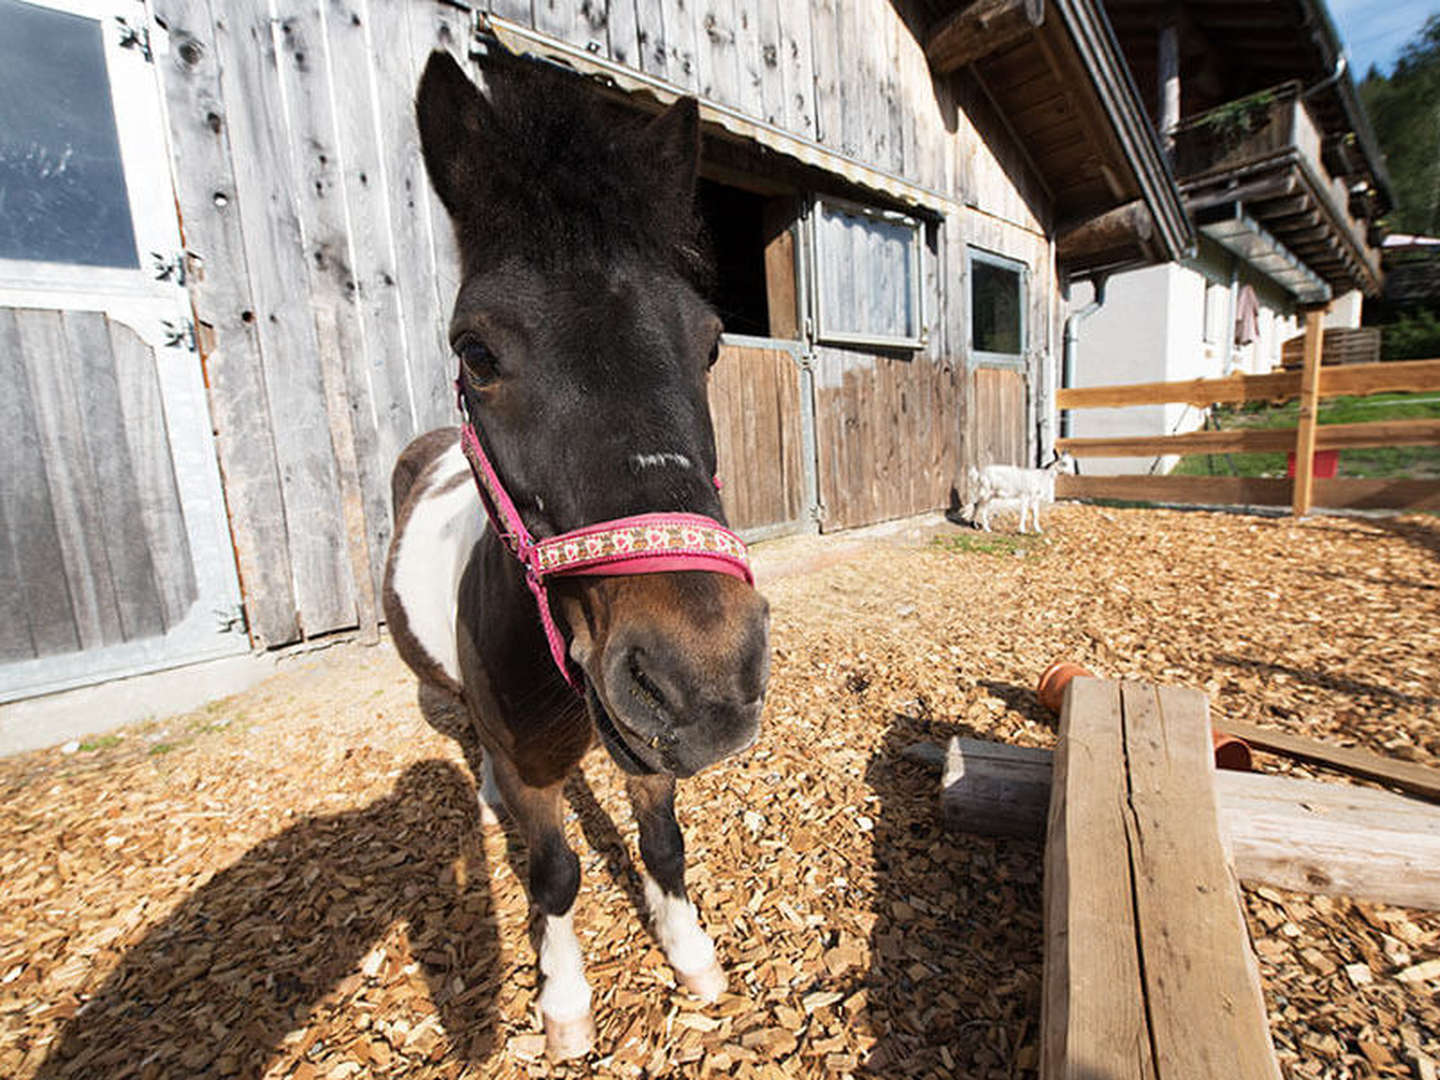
674 138
453 117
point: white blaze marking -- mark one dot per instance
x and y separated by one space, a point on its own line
566 994
431 556
687 947
660 460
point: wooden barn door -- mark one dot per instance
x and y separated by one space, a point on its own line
761 404
999 417
114 549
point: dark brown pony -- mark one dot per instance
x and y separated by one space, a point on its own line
583 348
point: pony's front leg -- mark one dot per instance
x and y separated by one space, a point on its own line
554 873
688 948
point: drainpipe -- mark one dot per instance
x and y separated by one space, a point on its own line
1072 342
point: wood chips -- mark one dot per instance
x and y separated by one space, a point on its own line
293 882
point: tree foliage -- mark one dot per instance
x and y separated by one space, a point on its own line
1405 110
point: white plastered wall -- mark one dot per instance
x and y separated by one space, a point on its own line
1154 328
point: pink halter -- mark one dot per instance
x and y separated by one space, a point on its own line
643 544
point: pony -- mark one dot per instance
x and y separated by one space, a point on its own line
583 347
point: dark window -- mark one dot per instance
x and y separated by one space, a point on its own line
62 186
997 305
735 222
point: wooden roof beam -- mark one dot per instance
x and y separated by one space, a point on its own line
980 29
1123 226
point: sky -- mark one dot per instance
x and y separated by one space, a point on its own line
1375 31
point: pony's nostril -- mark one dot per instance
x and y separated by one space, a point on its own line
645 688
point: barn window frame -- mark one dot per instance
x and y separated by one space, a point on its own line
827 334
1018 360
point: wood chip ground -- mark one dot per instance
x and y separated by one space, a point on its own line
293 882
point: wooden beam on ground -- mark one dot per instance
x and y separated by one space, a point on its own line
1258 440
979 29
1130 224
1340 493
1306 835
1304 488
1409 376
1148 969
1406 775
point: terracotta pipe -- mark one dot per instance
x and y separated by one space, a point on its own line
1230 752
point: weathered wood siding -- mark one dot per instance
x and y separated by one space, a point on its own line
756 407
93 548
998 403
323 269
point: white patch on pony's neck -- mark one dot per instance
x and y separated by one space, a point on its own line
660 460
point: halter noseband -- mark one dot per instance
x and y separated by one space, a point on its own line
642 544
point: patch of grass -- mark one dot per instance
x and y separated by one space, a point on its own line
103 742
983 543
161 748
1374 462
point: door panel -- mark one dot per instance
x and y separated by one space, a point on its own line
760 407
114 545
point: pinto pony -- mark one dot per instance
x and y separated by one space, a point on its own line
583 348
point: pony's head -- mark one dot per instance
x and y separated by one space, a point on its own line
583 348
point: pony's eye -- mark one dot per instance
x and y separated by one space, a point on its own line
481 366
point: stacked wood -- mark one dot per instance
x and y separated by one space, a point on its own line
1305 835
1148 968
1342 345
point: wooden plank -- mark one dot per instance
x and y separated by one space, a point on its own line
1200 490
266 188
652 39
781 271
580 23
225 313
1093 1013
50 373
427 260
682 62
1259 440
825 53
1407 776
153 469
105 433
763 59
16 639
1305 835
979 29
1310 379
1341 493
517 11
1200 975
623 31
798 64
43 621
1410 376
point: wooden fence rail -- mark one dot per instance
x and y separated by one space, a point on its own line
1312 383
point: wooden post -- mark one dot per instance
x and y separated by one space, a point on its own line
1148 969
1309 400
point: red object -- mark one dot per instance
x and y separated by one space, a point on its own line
1230 753
1051 689
1326 463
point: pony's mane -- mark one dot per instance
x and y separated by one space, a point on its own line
570 176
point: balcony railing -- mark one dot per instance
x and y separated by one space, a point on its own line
1267 147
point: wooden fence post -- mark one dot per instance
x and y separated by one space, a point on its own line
1309 401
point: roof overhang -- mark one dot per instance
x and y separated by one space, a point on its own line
1054 71
1236 231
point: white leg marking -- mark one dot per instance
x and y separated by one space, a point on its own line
687 947
566 994
492 803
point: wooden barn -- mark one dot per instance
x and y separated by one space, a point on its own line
224 281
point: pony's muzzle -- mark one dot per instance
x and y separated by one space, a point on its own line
682 671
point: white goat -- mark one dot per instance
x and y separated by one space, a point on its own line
1009 485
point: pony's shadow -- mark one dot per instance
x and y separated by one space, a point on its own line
447 715
957 942
281 933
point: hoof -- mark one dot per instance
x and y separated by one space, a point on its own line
569 1038
707 984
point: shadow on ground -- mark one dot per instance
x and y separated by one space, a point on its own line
957 947
215 987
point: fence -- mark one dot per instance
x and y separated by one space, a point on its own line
1310 384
